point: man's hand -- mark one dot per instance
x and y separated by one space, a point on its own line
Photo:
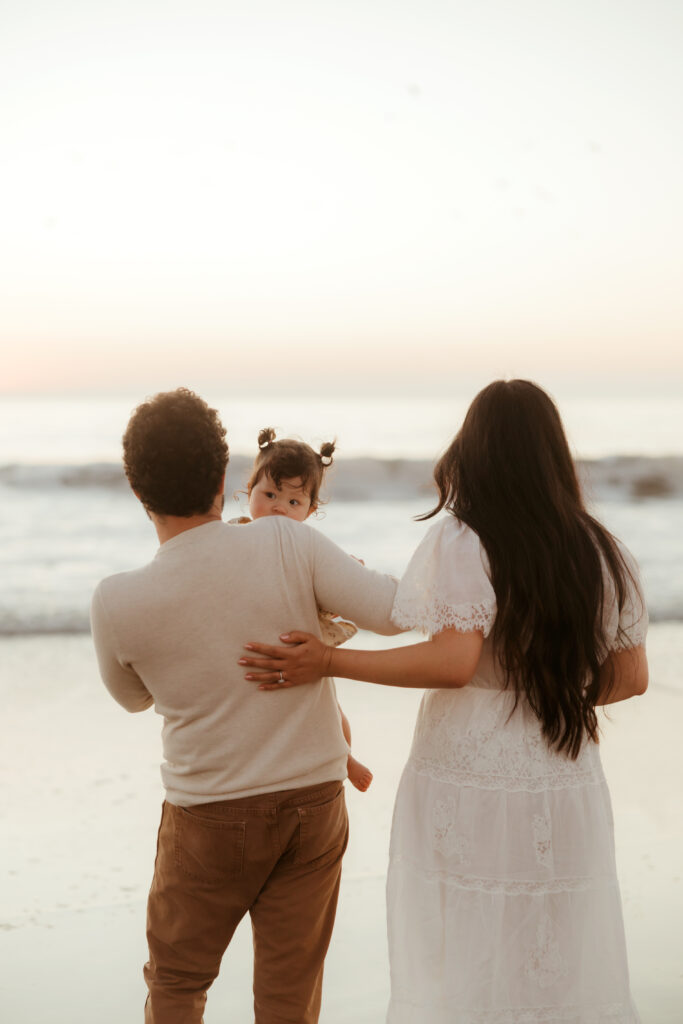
305 660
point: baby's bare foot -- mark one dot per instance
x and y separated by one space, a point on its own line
359 775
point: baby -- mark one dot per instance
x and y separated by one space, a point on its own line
285 481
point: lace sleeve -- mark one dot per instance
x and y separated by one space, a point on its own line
628 627
446 584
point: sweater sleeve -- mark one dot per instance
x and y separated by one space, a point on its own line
122 681
350 590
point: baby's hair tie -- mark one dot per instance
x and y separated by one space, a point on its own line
326 453
266 437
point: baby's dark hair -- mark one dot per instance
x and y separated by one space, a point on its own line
285 459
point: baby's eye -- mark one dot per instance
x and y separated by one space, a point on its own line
270 494
294 501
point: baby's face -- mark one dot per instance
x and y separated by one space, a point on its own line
289 499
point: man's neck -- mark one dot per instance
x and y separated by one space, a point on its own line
168 527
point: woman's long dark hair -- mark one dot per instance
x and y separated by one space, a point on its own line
509 475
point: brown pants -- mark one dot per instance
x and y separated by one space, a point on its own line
277 857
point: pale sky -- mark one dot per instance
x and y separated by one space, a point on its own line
375 194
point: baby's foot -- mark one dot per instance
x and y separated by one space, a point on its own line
359 775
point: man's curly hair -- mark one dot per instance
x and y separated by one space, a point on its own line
175 453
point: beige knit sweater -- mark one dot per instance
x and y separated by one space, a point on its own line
171 633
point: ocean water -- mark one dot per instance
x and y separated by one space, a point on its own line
68 518
88 430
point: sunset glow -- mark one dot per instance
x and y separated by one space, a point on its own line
248 193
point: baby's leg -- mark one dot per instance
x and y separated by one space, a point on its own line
359 775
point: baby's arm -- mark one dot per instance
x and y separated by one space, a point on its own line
333 630
359 775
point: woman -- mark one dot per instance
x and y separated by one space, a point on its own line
503 901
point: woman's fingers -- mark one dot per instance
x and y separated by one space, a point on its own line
270 681
302 661
296 637
266 663
266 649
271 656
291 639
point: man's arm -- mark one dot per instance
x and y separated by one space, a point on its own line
122 681
342 583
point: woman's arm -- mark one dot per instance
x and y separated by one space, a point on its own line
623 675
448 660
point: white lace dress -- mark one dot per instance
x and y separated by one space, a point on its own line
503 902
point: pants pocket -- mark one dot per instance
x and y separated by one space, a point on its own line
323 831
208 849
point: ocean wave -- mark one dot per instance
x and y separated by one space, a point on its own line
617 478
35 477
36 624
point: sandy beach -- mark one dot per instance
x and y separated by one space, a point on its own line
81 795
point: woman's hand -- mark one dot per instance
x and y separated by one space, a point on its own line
305 660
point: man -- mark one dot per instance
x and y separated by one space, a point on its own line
254 819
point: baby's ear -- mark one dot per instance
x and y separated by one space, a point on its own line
312 509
